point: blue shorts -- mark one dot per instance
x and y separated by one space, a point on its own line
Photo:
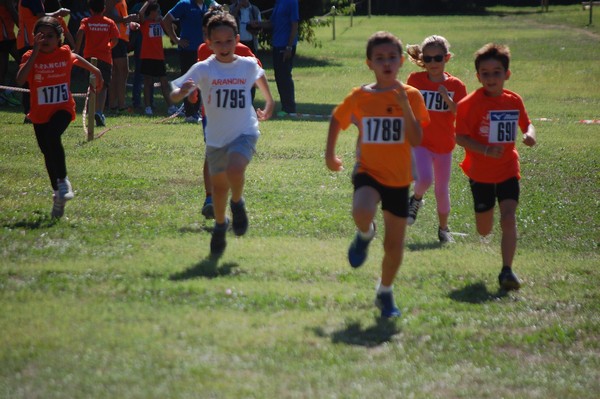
485 194
393 199
218 157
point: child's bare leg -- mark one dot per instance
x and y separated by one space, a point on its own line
393 246
508 223
236 170
364 207
443 218
220 185
166 92
484 222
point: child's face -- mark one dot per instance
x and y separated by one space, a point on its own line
222 42
385 62
48 39
434 58
492 75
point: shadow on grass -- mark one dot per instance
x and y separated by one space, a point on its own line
38 220
423 246
354 334
476 293
207 268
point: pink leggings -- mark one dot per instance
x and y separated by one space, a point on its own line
429 164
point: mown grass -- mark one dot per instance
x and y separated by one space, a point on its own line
120 298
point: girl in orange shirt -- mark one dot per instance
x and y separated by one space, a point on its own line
47 69
433 158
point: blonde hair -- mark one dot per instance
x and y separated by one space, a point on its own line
415 51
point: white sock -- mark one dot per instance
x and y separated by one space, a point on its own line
384 288
368 235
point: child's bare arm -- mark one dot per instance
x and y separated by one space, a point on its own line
530 137
412 128
333 162
493 151
179 93
263 86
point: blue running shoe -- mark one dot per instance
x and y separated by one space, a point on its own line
217 241
385 302
208 211
240 218
357 253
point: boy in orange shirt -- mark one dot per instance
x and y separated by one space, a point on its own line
389 116
101 35
487 121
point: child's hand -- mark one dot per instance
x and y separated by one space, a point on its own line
529 140
334 163
263 115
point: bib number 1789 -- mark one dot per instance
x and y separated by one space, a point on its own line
383 130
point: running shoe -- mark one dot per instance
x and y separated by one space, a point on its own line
217 241
385 302
445 236
508 280
208 211
58 207
357 253
193 119
148 111
413 209
240 218
173 109
100 119
65 191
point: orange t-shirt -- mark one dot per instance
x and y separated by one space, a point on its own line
492 121
28 11
438 136
382 150
49 81
152 40
7 24
99 32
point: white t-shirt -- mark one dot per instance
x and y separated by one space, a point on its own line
225 90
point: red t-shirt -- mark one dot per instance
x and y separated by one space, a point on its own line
99 32
382 150
7 24
152 40
438 136
240 49
492 121
49 84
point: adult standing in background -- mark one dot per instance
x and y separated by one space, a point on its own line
117 11
29 12
284 23
245 14
189 13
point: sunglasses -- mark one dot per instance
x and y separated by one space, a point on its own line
437 58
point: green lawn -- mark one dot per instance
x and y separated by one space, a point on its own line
119 299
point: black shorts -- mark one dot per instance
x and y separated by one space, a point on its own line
106 71
120 50
154 68
393 199
485 194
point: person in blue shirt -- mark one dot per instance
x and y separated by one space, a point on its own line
284 23
189 15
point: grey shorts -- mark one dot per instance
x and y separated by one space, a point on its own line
218 157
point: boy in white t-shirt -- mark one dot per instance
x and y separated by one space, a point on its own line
225 81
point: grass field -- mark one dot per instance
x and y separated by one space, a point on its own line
119 299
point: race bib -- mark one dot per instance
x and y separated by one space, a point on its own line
155 30
383 130
53 94
503 126
434 100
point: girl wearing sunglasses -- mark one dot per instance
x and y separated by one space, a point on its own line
433 158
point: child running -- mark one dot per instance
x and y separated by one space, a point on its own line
225 81
433 158
389 116
486 126
47 69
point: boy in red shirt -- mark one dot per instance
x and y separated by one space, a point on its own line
487 121
389 116
101 35
152 55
